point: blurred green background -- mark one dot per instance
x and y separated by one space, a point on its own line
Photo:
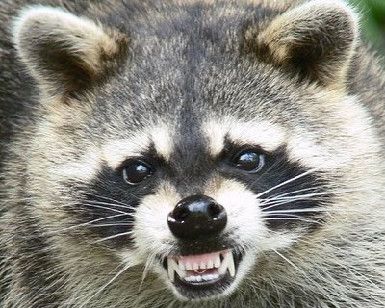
373 21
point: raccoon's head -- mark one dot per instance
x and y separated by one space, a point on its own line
201 146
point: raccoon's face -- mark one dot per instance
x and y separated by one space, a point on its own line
193 159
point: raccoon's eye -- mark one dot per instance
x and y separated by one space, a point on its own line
135 171
249 160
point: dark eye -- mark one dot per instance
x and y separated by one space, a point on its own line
135 171
249 160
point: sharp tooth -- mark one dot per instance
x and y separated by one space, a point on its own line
195 266
231 265
224 264
198 278
202 265
217 261
214 276
173 267
170 269
210 264
188 266
181 273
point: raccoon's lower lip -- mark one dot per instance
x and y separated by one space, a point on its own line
203 275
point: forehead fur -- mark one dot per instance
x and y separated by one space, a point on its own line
193 71
258 132
160 137
194 75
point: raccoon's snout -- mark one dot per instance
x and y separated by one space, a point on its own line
197 216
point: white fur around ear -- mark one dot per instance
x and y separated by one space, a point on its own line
316 40
64 52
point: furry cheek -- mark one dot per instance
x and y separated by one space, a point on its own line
150 231
244 214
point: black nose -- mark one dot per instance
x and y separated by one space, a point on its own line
197 216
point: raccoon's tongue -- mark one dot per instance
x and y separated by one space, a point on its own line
201 268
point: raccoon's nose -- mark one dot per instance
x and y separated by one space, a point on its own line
197 216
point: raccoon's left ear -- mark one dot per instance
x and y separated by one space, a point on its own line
65 53
315 41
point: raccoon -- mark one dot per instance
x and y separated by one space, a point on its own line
188 153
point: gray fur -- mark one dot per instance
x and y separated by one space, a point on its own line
182 64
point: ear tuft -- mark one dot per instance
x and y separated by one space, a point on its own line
315 40
65 53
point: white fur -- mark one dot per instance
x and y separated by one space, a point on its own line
257 132
84 169
332 153
151 232
115 152
161 136
243 211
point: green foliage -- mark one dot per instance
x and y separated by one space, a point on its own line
373 21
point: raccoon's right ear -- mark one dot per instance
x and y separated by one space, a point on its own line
314 40
65 53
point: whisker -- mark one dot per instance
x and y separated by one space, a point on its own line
106 285
286 259
112 225
288 199
298 196
108 198
285 202
277 197
309 210
330 191
89 223
112 237
149 261
105 208
293 217
278 203
110 204
287 182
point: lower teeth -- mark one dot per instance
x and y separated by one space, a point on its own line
226 264
199 278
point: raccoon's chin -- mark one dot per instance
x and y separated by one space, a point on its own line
200 276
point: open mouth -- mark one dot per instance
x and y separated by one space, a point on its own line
202 275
